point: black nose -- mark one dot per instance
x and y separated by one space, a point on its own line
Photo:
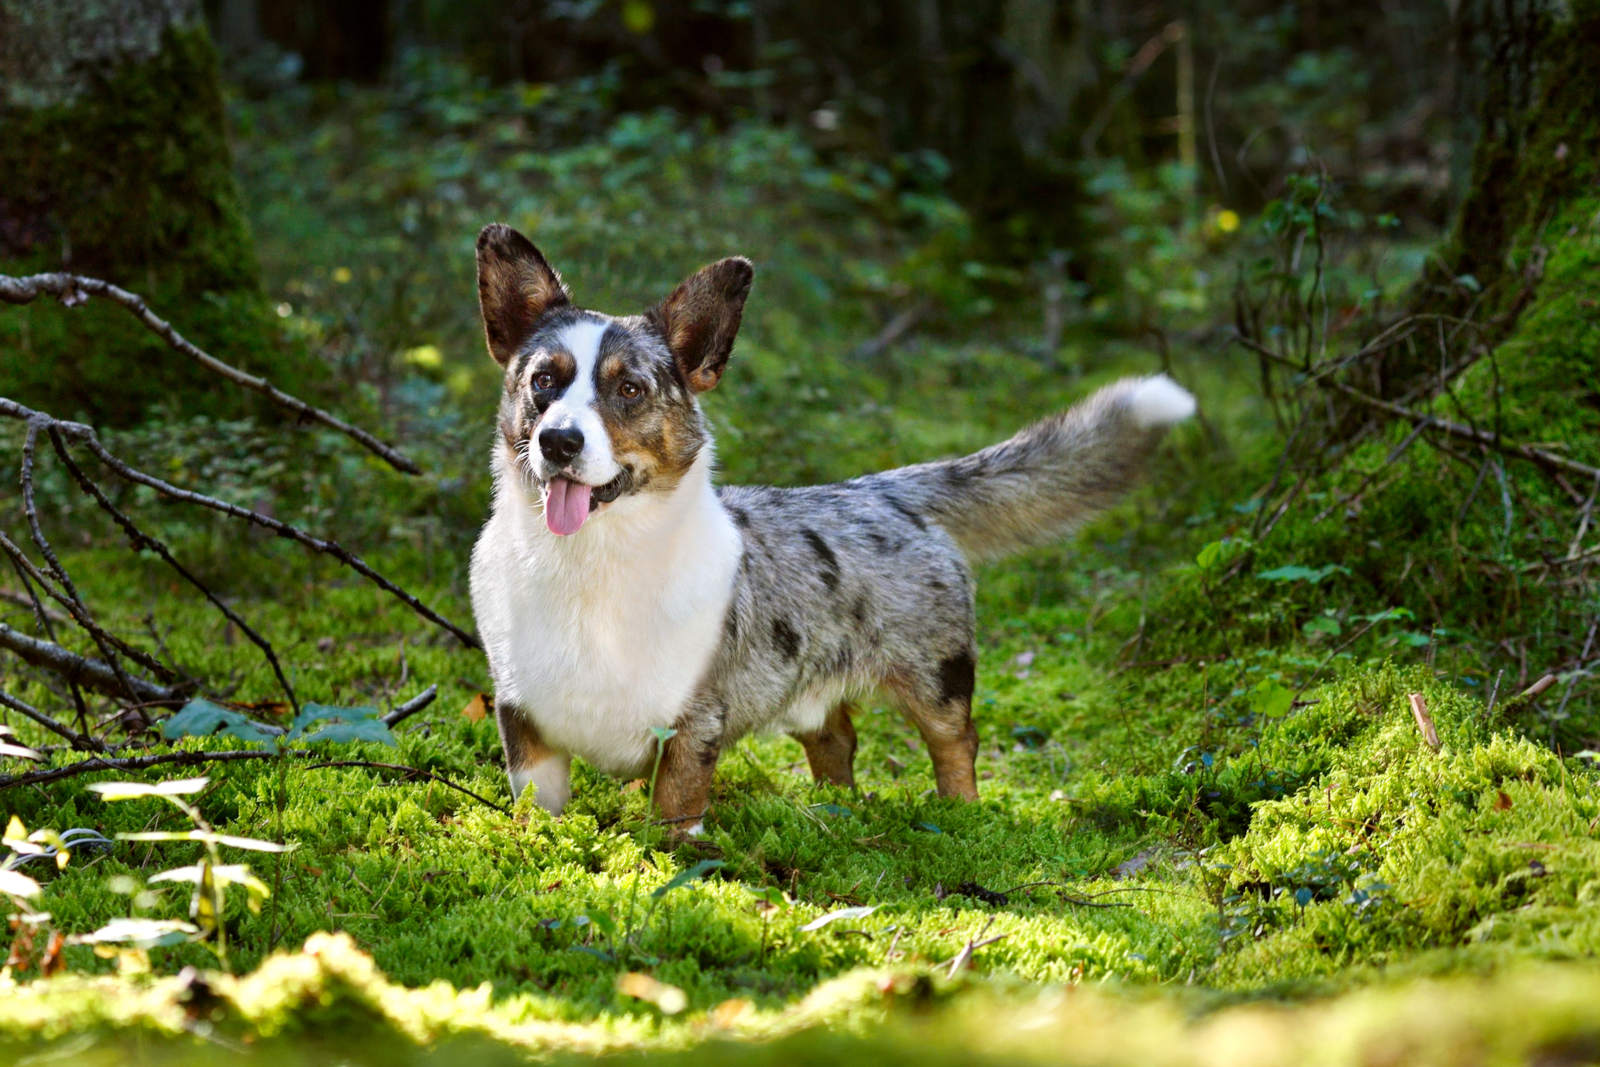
560 444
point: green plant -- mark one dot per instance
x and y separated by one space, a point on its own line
210 877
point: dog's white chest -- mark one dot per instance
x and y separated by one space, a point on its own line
602 636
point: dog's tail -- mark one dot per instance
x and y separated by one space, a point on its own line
1033 488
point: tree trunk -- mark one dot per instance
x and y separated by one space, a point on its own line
116 165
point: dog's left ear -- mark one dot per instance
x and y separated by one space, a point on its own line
701 317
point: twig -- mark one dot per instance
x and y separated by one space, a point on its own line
895 329
140 539
1532 453
73 602
81 669
963 957
77 740
412 706
1583 656
77 431
75 288
1419 711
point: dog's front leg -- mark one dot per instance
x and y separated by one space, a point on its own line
683 781
529 761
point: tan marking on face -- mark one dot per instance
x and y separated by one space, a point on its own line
658 434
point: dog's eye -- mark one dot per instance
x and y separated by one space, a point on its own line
629 391
544 380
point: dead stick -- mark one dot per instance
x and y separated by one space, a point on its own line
77 740
1419 711
75 288
77 431
412 706
81 669
140 539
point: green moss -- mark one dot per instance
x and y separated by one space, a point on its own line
130 181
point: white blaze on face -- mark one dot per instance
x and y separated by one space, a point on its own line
575 407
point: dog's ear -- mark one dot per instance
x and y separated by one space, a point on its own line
701 317
516 287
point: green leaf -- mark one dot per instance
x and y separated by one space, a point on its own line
1294 572
683 878
1270 699
1323 624
143 933
17 884
177 787
834 916
250 843
324 722
202 718
1211 555
222 874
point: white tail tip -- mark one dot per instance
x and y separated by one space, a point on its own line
1159 401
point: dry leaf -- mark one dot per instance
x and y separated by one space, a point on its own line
477 708
730 1011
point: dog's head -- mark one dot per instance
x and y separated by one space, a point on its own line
598 407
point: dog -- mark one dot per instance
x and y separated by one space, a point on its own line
642 617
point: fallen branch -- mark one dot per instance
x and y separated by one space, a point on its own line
140 539
77 740
85 435
411 707
897 327
82 670
74 289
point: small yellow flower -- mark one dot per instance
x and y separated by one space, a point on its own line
341 275
1227 220
427 356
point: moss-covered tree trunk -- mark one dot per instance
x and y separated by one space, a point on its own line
116 165
1525 233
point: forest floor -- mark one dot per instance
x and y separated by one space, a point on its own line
1211 828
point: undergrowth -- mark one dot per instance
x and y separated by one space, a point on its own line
1200 765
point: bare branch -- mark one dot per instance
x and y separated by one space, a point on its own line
75 289
90 673
77 431
143 540
77 740
1542 457
412 706
73 602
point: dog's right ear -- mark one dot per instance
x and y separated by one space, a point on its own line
516 288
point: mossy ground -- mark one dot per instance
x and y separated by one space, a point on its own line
1196 801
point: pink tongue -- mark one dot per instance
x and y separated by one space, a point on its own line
566 506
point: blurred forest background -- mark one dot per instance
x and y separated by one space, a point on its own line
1320 702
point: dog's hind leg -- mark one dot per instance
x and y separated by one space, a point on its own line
831 749
529 761
940 706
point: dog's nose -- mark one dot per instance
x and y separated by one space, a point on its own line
560 444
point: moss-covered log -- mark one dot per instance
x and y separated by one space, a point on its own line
116 165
